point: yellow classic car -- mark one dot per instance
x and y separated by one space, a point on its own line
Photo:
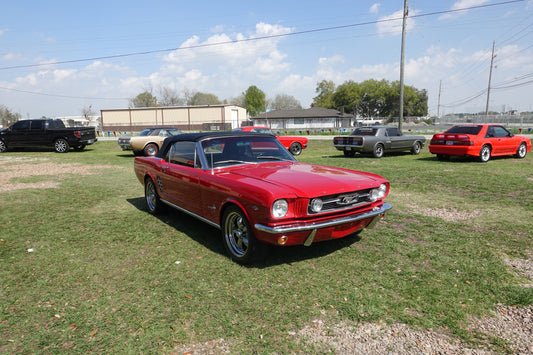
148 141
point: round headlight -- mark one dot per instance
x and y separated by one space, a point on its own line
316 205
373 196
382 191
280 208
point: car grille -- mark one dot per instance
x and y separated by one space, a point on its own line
340 202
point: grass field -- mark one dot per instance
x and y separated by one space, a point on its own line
84 268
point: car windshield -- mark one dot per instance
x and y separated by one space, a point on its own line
464 130
146 132
169 132
220 152
364 131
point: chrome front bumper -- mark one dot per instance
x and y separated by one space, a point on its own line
377 213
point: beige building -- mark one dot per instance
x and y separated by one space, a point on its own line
186 118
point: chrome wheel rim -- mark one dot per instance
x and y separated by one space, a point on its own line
236 234
485 153
522 150
151 150
151 195
61 146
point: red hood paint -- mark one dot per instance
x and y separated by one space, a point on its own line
307 180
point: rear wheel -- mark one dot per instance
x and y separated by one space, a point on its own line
238 237
484 154
415 149
151 149
153 202
295 148
379 150
521 151
61 145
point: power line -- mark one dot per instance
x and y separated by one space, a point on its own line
255 38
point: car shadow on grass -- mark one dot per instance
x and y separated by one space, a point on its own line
210 237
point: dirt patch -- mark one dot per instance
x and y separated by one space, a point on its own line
12 170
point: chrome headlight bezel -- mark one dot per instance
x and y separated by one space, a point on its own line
316 205
378 193
279 208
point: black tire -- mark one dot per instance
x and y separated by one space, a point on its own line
415 149
378 151
520 152
3 146
238 237
349 153
295 148
151 197
484 154
151 149
61 145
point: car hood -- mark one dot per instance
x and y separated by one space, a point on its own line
306 180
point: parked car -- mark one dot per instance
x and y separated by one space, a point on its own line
46 133
149 141
378 140
256 193
478 140
293 144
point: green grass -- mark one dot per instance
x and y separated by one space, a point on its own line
105 276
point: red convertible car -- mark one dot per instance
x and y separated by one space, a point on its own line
254 191
292 144
478 140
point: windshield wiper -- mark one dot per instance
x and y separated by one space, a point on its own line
270 157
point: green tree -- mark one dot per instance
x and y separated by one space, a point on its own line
144 99
325 90
7 118
284 102
254 100
202 98
348 96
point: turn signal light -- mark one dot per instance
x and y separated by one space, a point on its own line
283 240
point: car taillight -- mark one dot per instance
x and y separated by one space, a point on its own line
77 134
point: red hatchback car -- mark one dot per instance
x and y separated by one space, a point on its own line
478 140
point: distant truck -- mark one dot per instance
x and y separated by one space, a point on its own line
46 133
378 140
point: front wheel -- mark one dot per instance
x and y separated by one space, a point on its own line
520 152
379 150
3 146
238 237
484 154
61 145
295 148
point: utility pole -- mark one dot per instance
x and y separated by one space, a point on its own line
438 105
490 78
405 13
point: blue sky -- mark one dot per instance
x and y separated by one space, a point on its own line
57 57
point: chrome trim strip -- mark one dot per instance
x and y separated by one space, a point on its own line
191 213
335 222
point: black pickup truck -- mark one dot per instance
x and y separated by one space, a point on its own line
46 132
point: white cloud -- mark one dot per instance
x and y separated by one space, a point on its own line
392 24
462 4
374 9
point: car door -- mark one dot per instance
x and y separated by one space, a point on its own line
396 138
36 135
179 179
19 133
501 140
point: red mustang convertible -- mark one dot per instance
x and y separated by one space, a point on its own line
254 191
478 140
